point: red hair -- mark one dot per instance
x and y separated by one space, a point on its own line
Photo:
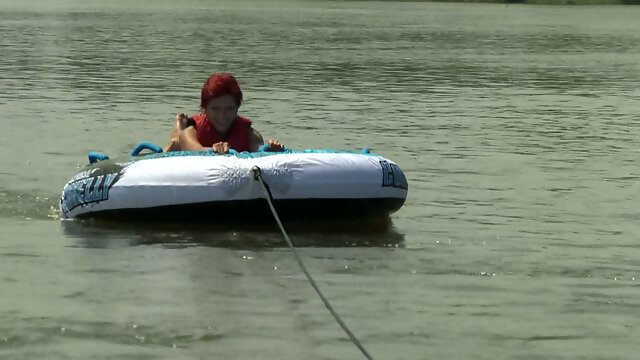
220 85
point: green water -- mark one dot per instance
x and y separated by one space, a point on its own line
517 126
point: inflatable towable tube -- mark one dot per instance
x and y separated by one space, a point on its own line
181 185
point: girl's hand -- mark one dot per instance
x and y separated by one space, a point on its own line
275 146
221 147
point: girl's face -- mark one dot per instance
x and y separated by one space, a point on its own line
221 112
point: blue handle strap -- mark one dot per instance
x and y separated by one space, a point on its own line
96 156
146 146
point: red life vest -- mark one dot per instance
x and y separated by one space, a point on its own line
238 136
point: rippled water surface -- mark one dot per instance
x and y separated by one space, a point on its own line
517 126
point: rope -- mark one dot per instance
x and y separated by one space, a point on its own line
257 175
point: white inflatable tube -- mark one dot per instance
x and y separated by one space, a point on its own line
196 185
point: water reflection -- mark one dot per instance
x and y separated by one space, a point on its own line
108 234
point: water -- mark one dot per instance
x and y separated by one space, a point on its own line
517 127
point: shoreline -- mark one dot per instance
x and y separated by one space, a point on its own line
528 2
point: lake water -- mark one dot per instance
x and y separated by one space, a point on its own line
518 128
